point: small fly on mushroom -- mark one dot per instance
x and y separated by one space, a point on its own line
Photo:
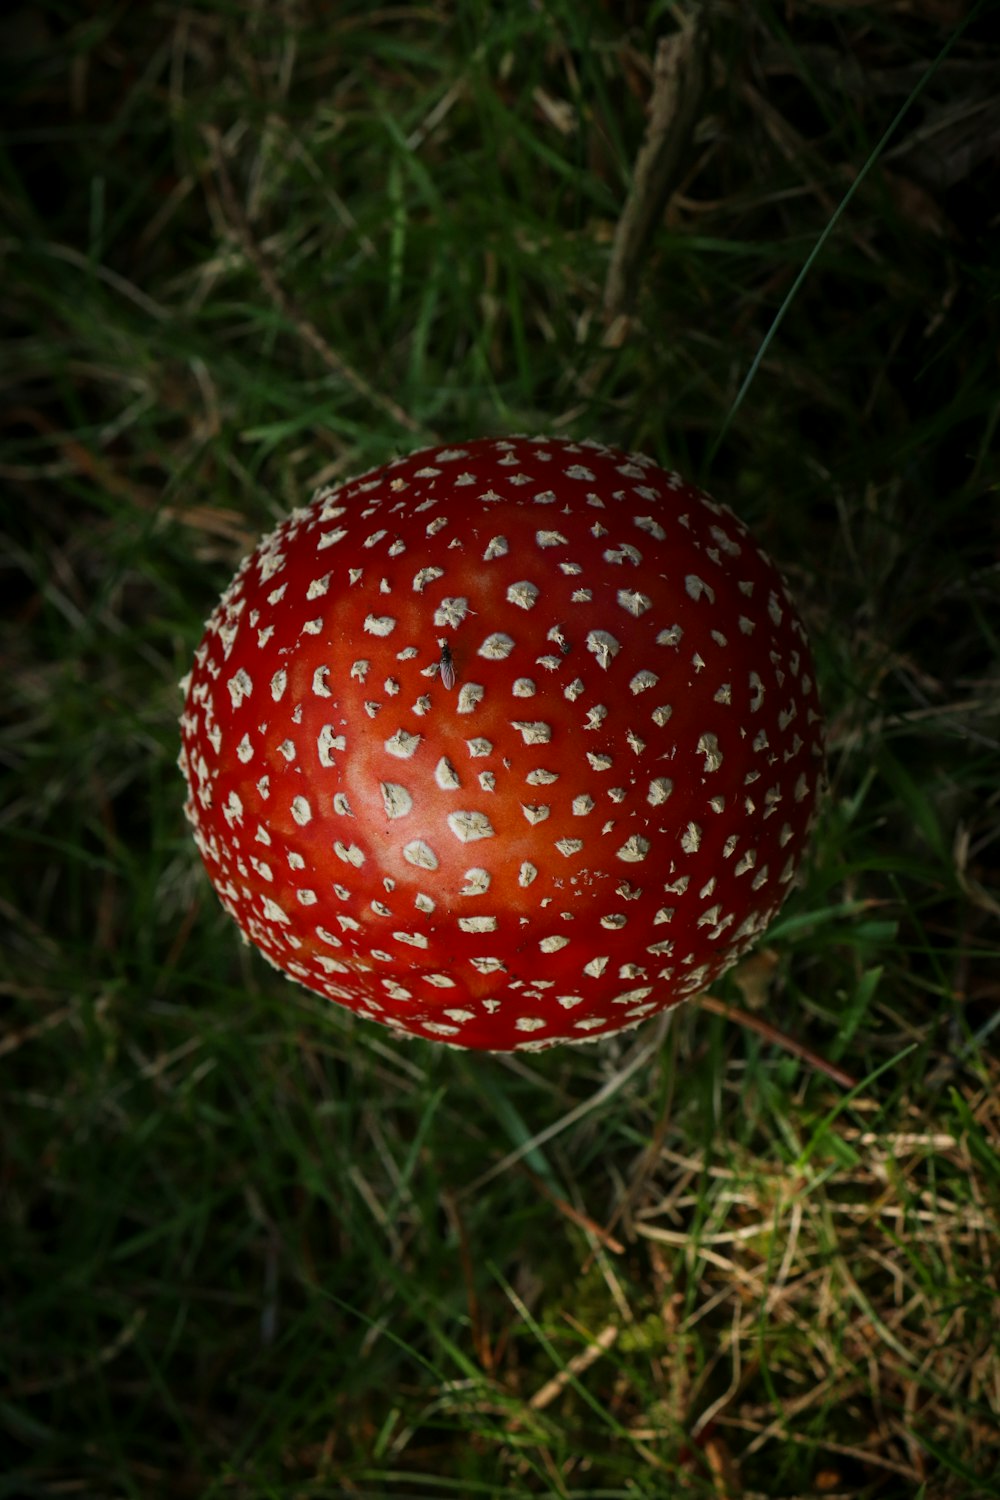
446 665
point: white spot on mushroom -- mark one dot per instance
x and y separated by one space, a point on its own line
402 744
396 800
535 814
244 749
596 716
671 637
446 776
582 805
287 749
319 687
327 741
240 686
634 849
497 546
424 576
694 587
264 787
691 839
414 939
599 762
533 731
420 853
659 790
523 594
550 539
633 602
301 811
278 684
757 688
341 805
596 967
273 912
567 847
526 873
486 965
330 538
604 646
349 853
381 625
573 691
708 745
470 694
469 826
643 680
523 688
479 746
233 809
451 612
497 646
477 880
477 924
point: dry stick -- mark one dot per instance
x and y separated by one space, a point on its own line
780 1038
680 75
240 227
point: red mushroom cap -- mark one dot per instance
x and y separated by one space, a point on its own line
504 744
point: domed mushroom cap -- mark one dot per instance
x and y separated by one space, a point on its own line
504 744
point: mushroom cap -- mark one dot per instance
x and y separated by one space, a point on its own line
504 744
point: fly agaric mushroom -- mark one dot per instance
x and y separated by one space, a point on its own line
504 744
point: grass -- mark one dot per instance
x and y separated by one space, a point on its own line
252 1247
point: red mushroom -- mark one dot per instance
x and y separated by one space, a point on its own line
504 744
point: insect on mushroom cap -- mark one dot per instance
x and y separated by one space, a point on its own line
504 744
